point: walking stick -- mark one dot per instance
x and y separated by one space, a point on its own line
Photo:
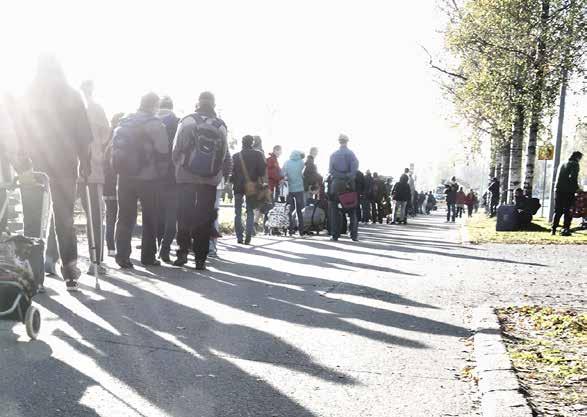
91 238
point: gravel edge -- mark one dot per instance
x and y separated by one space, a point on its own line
498 384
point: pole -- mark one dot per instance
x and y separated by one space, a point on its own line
544 187
559 141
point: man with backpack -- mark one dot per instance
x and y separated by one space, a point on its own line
168 198
200 151
343 169
140 152
248 167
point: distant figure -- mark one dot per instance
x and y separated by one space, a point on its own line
274 174
523 209
365 197
451 200
461 201
493 196
567 185
401 195
293 173
312 179
430 202
470 202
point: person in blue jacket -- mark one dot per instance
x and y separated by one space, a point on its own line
293 174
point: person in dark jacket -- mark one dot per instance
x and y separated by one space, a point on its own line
567 185
377 194
360 189
57 142
110 197
365 198
168 195
450 191
493 193
401 194
248 165
142 187
312 179
274 175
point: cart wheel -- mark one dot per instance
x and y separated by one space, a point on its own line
32 321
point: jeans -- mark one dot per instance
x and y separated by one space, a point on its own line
212 243
460 210
131 191
336 220
562 206
97 205
298 199
111 215
451 211
239 199
400 211
376 211
470 210
168 202
365 210
196 218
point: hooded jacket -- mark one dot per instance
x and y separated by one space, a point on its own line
100 128
273 171
180 147
401 190
170 121
156 144
293 172
311 176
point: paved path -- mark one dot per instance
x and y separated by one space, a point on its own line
286 327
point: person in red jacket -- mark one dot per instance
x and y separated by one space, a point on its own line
461 196
274 172
470 202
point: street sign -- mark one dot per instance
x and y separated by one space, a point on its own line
546 152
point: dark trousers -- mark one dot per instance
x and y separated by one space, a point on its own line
298 200
460 211
365 210
336 220
376 211
130 192
196 217
470 210
562 206
97 206
168 205
451 211
249 203
63 195
111 215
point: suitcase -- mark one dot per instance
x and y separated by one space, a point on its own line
277 217
507 218
314 218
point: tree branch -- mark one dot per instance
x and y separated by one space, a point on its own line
444 71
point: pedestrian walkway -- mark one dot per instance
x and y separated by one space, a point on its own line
286 327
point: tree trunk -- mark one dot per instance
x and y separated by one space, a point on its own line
505 170
492 159
536 103
516 149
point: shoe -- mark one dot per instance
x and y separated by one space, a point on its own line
566 232
151 263
553 231
164 257
41 289
240 242
200 265
50 266
111 253
248 241
72 285
101 270
125 264
181 260
355 239
334 239
70 272
213 255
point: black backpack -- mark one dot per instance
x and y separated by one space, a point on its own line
207 148
132 149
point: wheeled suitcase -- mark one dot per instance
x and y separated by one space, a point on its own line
507 218
314 218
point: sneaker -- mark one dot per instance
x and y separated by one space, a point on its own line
248 241
200 265
355 239
566 232
240 242
213 255
41 289
181 260
334 239
101 270
125 264
70 272
72 285
151 263
164 257
112 253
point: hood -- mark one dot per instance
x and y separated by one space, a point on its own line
135 119
296 156
164 113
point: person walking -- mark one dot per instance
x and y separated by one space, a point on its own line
200 151
293 174
140 149
377 196
460 202
470 202
343 169
274 175
430 202
567 184
365 197
493 195
168 196
451 200
110 195
401 195
249 166
100 128
312 179
56 140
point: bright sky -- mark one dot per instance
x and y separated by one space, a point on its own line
297 73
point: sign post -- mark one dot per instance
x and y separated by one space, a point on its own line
545 153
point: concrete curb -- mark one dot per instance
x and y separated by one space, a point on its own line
498 384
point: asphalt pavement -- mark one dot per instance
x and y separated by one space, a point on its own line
286 327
